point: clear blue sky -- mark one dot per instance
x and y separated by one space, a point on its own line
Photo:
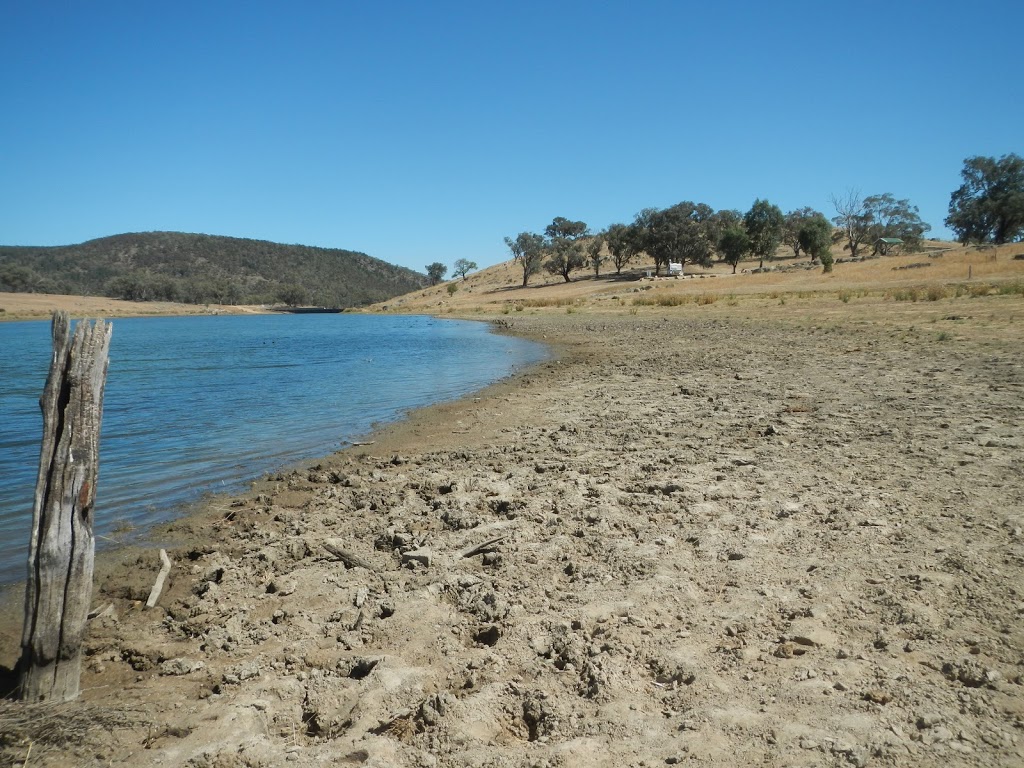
428 131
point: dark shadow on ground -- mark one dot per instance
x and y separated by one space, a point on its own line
624 278
8 682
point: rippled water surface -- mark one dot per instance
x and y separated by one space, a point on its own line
199 405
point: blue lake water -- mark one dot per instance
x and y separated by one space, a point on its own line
201 405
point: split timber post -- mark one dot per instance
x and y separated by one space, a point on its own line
60 562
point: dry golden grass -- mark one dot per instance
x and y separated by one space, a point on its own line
952 272
60 724
39 306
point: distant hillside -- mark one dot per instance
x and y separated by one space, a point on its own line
202 269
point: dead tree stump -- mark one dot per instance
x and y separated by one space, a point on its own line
60 563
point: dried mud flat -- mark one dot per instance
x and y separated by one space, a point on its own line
688 538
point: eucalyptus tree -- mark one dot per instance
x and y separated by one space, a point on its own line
595 253
564 258
462 267
734 244
623 245
764 223
792 223
989 205
564 246
815 236
436 272
889 218
681 233
528 250
562 228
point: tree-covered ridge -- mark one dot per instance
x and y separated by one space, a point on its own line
201 269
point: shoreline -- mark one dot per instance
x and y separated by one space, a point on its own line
144 539
678 505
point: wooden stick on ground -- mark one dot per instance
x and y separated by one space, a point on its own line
158 587
347 556
482 547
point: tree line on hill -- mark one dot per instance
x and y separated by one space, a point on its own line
988 207
695 233
205 269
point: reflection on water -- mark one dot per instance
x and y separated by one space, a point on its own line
198 405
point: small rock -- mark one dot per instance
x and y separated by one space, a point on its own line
787 651
282 587
876 696
179 667
970 673
423 556
789 509
806 639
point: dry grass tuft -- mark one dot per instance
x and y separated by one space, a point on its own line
662 300
561 302
58 725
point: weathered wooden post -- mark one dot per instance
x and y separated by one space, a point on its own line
60 560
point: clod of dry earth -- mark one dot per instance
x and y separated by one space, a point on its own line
718 541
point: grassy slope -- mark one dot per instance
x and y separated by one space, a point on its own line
956 270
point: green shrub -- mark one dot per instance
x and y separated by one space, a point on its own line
1011 289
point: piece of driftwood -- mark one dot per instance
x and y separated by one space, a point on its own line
482 547
348 557
161 577
61 547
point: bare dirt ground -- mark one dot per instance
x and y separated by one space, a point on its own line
766 532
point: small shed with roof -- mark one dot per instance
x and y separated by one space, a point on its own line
888 245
